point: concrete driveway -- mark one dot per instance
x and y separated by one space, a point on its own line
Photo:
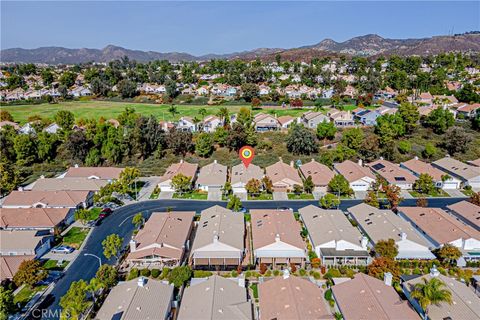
214 194
455 193
165 195
405 194
360 195
242 195
277 195
61 256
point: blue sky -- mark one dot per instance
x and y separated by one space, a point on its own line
222 27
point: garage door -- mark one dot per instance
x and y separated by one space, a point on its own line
449 185
360 187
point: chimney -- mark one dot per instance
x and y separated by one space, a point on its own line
42 177
403 236
133 245
364 242
181 160
241 281
416 158
360 162
381 158
286 273
141 282
291 163
434 272
215 161
387 278
20 188
76 165
277 237
215 238
447 156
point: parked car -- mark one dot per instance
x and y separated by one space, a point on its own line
104 213
63 249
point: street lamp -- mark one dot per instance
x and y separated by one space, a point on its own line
93 255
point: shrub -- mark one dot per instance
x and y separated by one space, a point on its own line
316 275
268 273
133 274
234 274
263 268
315 262
145 272
276 273
302 272
155 273
202 274
165 272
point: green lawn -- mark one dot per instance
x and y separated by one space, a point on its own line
261 196
75 237
301 196
134 188
26 294
109 109
53 265
435 194
94 213
195 195
254 288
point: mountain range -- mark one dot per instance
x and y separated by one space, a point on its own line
368 45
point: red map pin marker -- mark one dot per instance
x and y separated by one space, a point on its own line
246 153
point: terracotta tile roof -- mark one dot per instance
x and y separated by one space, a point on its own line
353 171
469 107
213 174
320 173
165 233
267 224
68 199
365 297
32 217
19 240
280 171
106 173
292 298
476 162
439 225
392 172
458 168
240 174
420 167
9 265
9 123
68 184
284 119
185 168
468 211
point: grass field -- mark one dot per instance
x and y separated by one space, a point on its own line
109 109
75 237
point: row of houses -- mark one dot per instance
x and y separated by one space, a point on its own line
33 94
32 216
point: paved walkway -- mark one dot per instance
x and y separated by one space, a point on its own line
455 193
147 190
280 196
165 195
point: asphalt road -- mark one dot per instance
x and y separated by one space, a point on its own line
85 267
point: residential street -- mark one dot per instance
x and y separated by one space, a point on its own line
85 267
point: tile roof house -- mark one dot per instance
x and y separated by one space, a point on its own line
359 177
240 176
475 162
212 176
380 224
393 174
4 124
469 110
101 173
466 304
24 243
68 184
440 228
185 168
276 237
333 237
265 122
215 298
291 298
48 199
470 175
342 118
9 265
35 218
365 297
441 179
320 173
286 121
467 212
139 298
312 119
367 117
211 123
219 239
163 240
283 176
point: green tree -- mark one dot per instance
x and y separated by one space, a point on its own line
234 203
389 127
297 189
47 144
137 220
386 248
82 215
430 292
250 91
173 110
329 201
94 286
404 146
204 144
179 275
340 185
127 88
448 254
301 140
29 272
392 193
424 184
253 186
382 265
353 138
308 185
107 275
8 178
74 303
440 120
47 77
5 116
181 183
7 307
112 245
65 119
267 184
25 149
429 151
326 130
67 79
224 116
457 140
227 188
372 199
410 115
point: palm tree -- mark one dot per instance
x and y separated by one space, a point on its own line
173 110
94 286
196 121
224 116
431 292
202 112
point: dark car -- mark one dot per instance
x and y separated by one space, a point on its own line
105 213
